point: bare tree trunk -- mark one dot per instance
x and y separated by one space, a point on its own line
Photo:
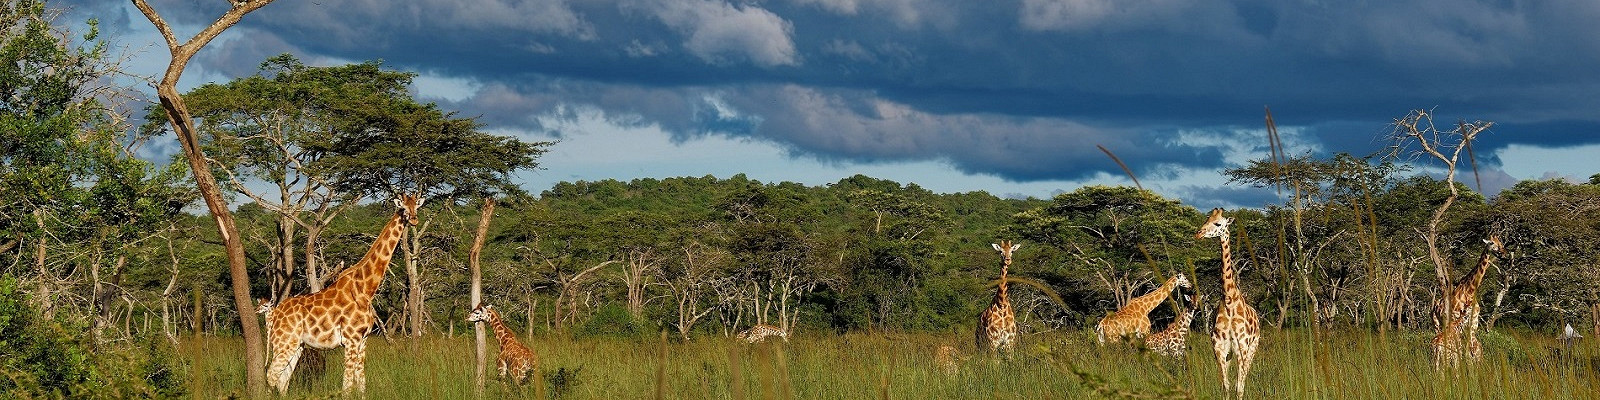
413 289
183 125
479 336
313 276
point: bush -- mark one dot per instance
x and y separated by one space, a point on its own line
42 358
612 320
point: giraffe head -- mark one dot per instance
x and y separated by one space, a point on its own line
480 314
264 307
1495 245
1181 280
1005 248
407 208
1215 226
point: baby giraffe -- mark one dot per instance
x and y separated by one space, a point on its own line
515 359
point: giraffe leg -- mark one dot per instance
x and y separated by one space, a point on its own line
284 357
355 361
1474 347
1247 355
1223 348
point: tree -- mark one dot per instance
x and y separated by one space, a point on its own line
393 144
1554 228
479 335
272 127
1418 127
1109 231
183 125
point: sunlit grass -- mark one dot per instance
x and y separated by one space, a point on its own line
1291 364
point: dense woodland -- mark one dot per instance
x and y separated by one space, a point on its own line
119 245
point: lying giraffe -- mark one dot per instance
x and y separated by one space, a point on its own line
946 359
761 332
1174 341
515 360
1134 318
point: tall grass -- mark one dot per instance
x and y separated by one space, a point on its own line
1292 365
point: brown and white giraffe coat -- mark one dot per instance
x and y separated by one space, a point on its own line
997 325
516 360
340 315
1133 320
1237 331
761 332
1464 301
1174 341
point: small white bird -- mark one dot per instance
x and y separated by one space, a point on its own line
1569 333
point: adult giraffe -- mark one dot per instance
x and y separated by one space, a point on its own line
1464 300
1237 331
997 325
340 315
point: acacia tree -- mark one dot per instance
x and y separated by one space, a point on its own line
394 144
183 125
267 128
1105 227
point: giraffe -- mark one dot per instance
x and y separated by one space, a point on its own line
341 314
1447 343
515 359
1174 341
997 325
946 360
1464 297
761 332
1134 318
1237 330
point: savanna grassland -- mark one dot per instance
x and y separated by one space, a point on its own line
1054 365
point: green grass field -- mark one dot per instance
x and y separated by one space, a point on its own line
1292 364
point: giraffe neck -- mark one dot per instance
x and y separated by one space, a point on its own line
367 274
1149 301
1000 296
1230 284
501 332
1471 282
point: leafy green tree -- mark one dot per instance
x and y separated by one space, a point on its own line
274 127
392 144
1552 228
1114 234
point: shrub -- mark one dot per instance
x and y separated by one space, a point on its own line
42 358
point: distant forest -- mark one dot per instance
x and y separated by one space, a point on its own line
709 256
309 156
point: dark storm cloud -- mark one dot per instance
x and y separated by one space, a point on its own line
1023 89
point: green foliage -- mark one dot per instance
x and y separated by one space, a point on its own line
613 320
51 358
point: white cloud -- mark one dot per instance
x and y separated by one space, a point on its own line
1076 15
722 33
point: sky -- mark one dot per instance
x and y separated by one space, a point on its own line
1011 97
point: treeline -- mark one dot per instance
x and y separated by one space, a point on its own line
709 256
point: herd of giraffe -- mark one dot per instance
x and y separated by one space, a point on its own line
342 315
